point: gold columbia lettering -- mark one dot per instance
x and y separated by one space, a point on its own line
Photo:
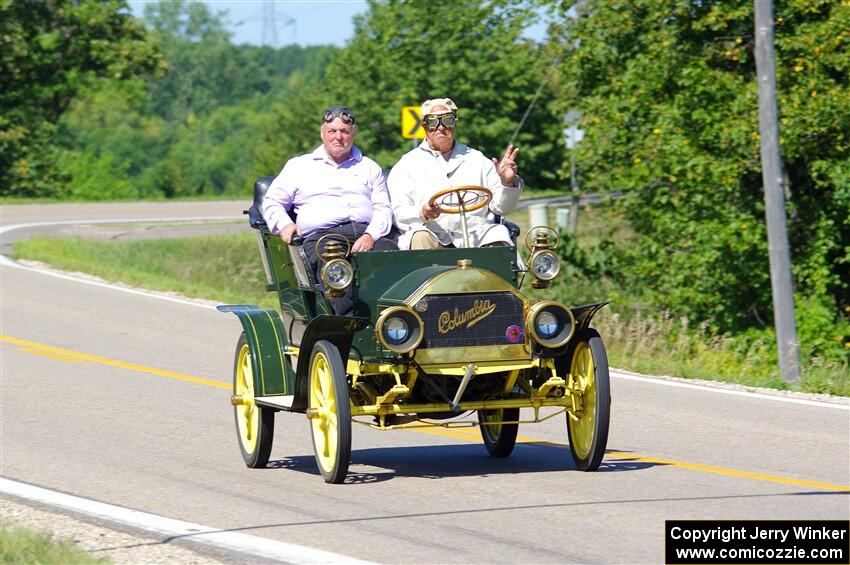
451 321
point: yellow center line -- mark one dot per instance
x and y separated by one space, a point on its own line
729 472
473 435
75 356
468 434
53 355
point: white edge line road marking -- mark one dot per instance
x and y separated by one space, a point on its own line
614 372
706 388
8 262
233 541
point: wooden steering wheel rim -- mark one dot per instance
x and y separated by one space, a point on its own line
486 193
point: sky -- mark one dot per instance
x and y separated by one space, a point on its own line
305 22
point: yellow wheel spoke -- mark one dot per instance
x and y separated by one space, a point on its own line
582 427
332 424
247 414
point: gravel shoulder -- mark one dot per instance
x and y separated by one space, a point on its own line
121 545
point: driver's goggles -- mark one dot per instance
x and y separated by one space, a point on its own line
346 117
432 122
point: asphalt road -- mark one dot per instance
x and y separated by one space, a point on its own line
123 398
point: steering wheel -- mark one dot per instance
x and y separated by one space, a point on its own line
458 199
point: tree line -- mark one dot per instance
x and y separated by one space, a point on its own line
96 104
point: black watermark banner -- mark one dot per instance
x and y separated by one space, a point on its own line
762 542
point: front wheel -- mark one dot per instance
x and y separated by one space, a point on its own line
254 424
329 412
588 428
499 439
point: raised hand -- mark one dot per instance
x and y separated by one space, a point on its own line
506 167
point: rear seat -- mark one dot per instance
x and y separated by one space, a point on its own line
255 212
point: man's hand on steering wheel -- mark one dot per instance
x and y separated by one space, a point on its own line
429 211
507 168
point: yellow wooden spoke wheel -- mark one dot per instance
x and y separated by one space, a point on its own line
499 439
254 424
587 426
329 412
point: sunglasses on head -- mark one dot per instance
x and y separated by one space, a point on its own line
344 115
432 122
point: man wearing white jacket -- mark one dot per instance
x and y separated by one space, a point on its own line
441 162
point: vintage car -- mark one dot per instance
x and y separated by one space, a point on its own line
435 335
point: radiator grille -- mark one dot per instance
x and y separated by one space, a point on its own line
462 320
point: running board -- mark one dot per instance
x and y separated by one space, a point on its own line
276 401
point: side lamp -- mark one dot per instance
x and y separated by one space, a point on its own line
545 263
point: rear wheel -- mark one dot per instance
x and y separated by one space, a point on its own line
499 439
588 429
254 424
329 412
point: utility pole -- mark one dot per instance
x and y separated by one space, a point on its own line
774 196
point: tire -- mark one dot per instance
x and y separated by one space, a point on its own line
499 439
588 433
254 424
330 412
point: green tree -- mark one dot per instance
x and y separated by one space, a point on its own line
110 143
670 102
472 51
49 51
204 71
293 125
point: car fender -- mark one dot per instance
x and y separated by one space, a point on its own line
267 340
583 314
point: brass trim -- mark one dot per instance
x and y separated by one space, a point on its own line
541 241
464 281
411 344
324 274
547 252
548 401
531 327
474 354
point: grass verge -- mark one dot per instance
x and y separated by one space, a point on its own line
223 268
25 546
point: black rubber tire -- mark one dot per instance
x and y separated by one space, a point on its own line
255 453
332 448
499 439
589 436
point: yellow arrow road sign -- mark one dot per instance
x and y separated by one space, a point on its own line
411 123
